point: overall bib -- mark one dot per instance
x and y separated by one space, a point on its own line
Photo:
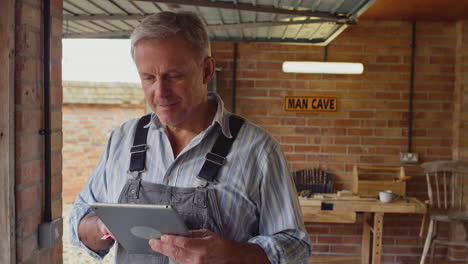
198 206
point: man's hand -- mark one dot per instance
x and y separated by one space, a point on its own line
205 246
91 229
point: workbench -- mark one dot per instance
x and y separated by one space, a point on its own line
333 209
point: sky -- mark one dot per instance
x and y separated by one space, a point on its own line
98 60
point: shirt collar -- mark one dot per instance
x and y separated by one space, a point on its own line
221 117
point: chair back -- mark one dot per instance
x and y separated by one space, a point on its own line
447 185
314 180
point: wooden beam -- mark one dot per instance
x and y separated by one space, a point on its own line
7 165
334 259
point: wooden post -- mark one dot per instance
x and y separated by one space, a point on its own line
366 238
7 165
377 240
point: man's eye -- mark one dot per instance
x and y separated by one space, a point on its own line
174 76
147 77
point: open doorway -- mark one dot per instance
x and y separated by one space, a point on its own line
100 92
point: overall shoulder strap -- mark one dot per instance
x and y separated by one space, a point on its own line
138 150
215 159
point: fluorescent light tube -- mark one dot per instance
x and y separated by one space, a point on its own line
323 67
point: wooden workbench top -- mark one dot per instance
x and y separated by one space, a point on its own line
353 204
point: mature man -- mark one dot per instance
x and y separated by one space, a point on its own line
227 177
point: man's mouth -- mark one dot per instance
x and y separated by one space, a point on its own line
167 104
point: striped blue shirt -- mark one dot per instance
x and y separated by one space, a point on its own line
255 191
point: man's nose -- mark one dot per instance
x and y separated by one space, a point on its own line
161 88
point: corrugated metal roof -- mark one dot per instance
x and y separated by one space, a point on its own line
286 21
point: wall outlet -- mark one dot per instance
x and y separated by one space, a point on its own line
50 233
408 157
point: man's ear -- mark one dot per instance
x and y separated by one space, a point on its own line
208 69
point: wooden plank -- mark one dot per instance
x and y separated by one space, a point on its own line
366 239
409 205
7 199
314 214
437 261
371 188
377 238
335 259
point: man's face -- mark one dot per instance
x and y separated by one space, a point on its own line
173 79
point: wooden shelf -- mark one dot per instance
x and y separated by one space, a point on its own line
335 259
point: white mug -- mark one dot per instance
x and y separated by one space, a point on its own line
386 196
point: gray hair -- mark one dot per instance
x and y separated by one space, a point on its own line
161 25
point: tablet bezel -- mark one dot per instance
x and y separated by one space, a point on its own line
121 218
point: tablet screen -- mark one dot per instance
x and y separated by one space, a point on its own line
134 224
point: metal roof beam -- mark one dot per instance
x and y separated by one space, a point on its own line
211 27
253 8
126 33
102 17
121 34
268 24
115 34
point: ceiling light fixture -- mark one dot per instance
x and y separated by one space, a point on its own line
323 67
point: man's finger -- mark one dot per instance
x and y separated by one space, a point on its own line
188 243
168 249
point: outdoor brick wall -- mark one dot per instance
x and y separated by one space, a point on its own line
90 112
29 145
371 124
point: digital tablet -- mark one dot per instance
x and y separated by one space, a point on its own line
134 224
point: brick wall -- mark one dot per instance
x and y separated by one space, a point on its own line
86 129
29 145
371 124
90 112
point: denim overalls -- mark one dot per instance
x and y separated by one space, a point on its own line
198 206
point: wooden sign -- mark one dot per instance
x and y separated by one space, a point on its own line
310 104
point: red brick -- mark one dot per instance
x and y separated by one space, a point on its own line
307 130
295 157
347 140
321 140
29 121
28 145
359 132
388 59
329 239
29 172
27 41
28 69
253 75
26 14
27 198
333 149
26 249
345 249
361 114
321 248
251 111
299 148
29 93
28 223
293 139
